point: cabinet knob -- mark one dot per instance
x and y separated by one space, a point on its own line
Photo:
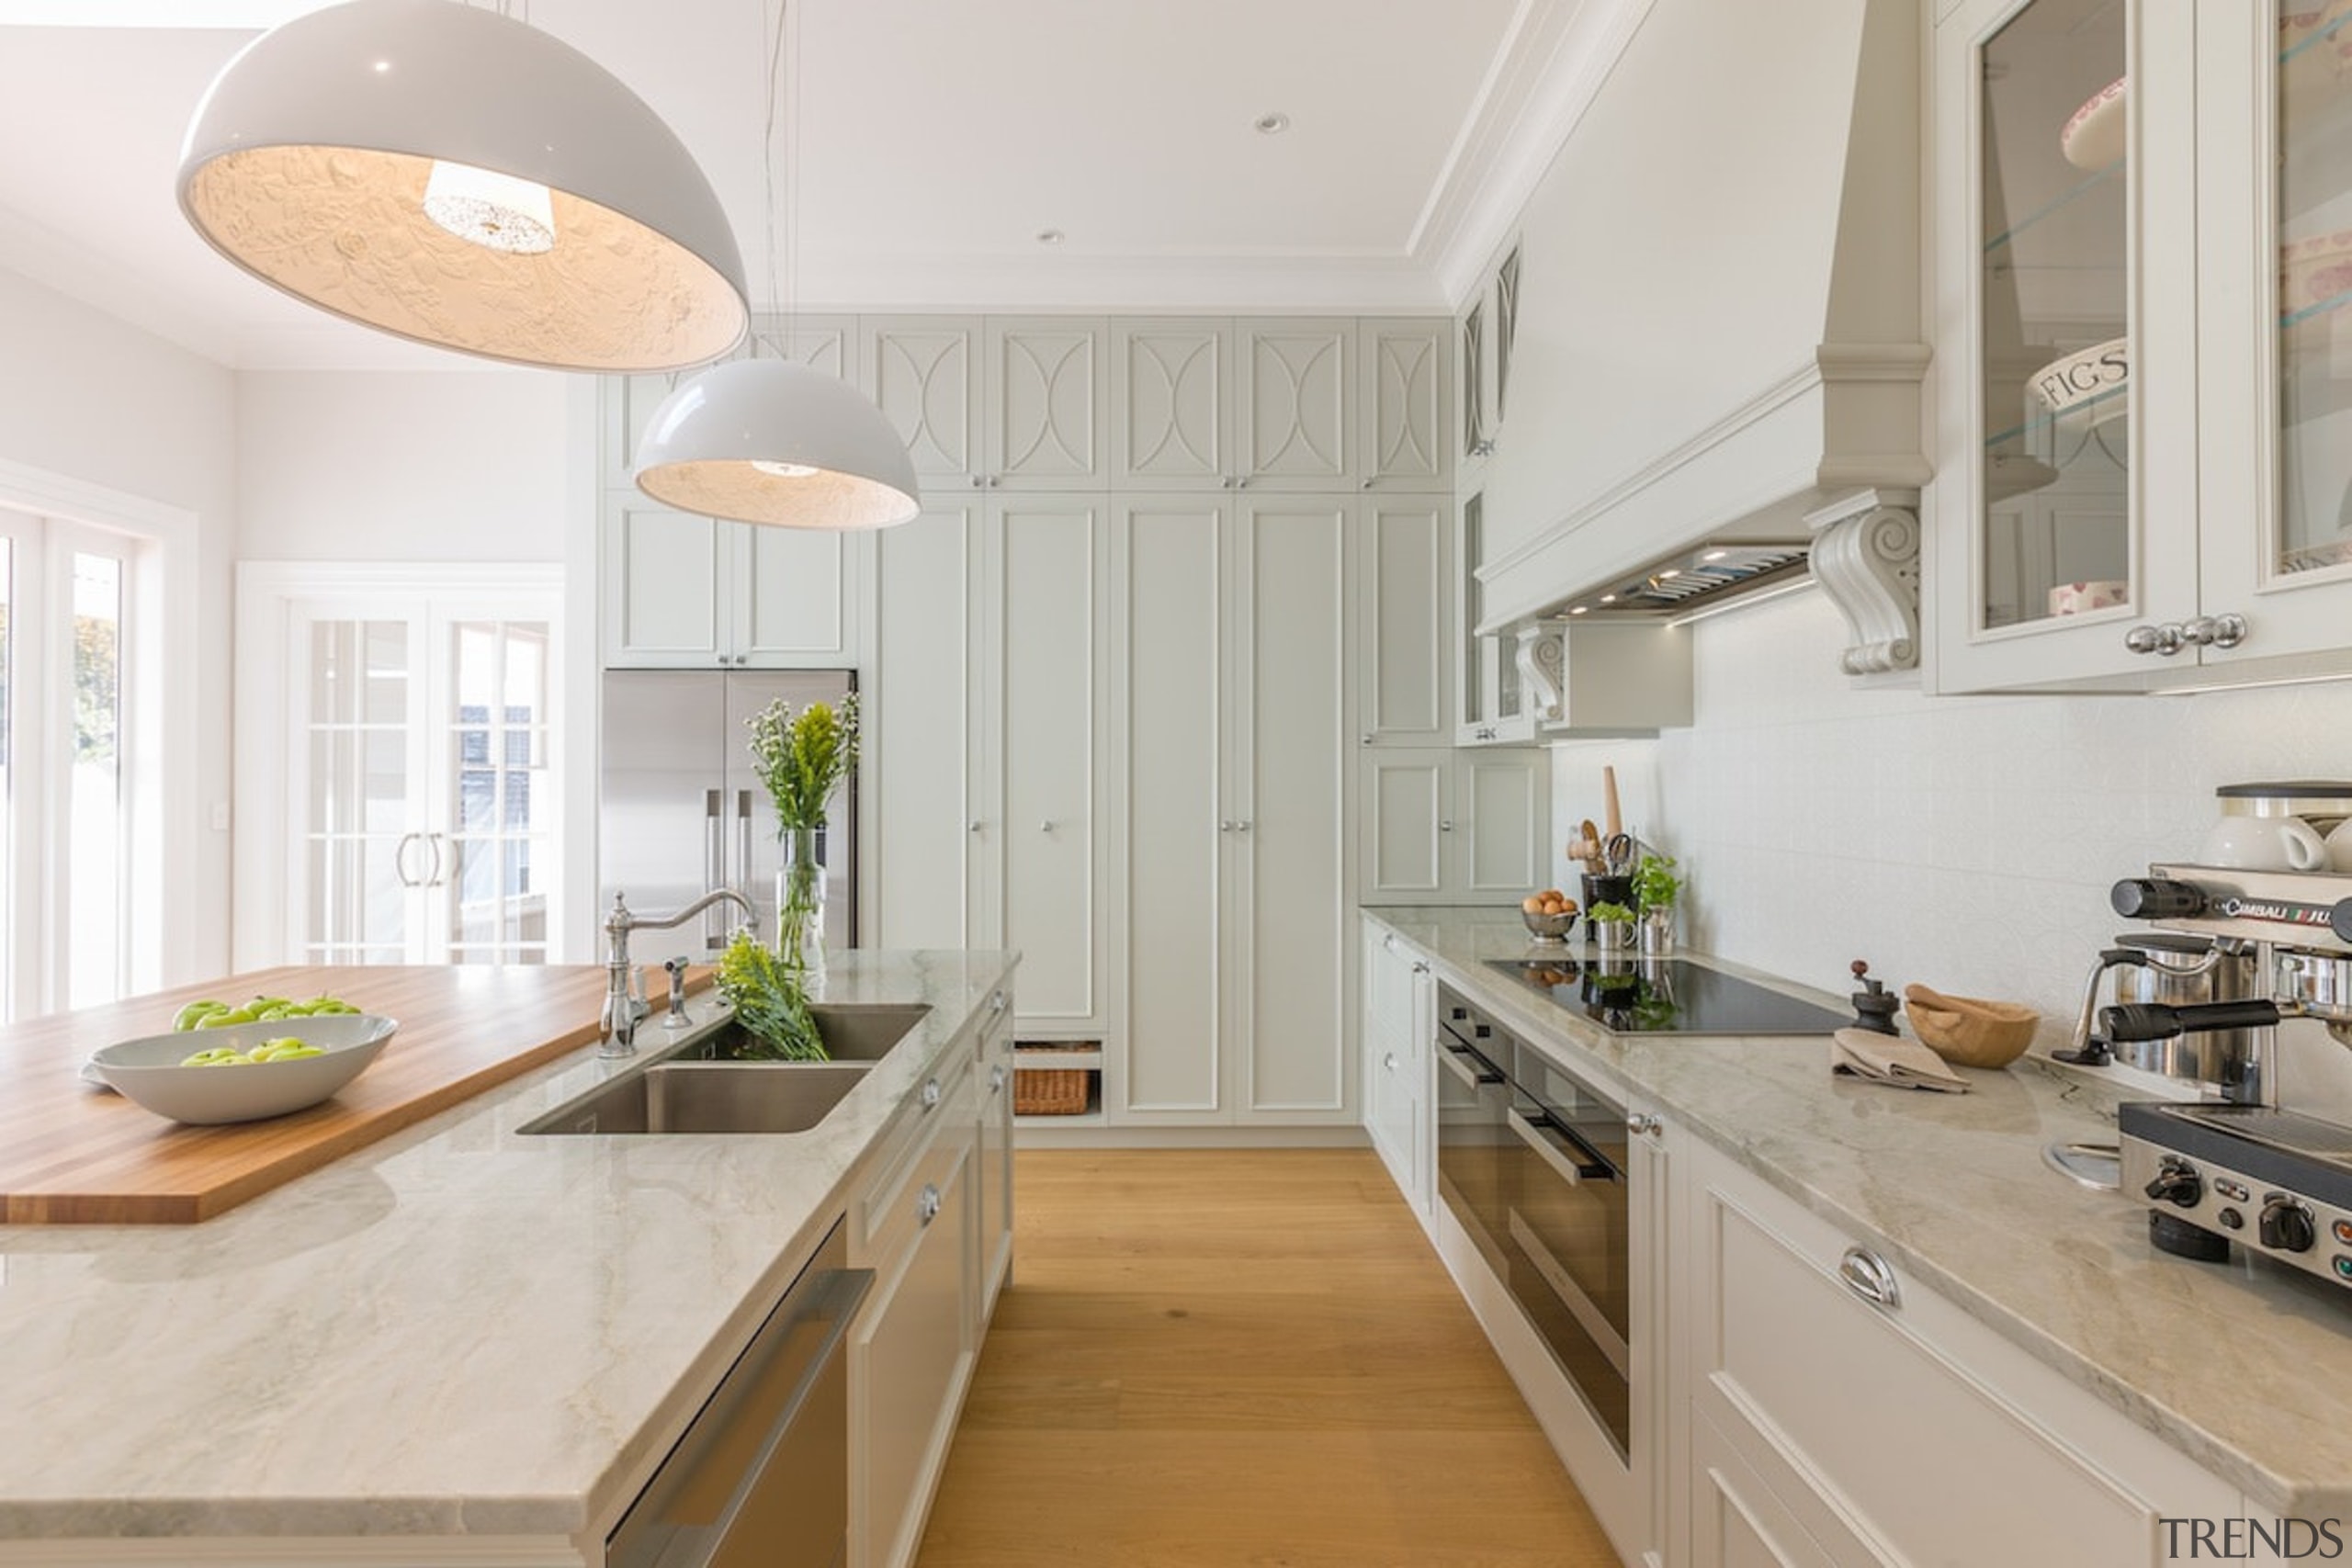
996 1001
978 483
1046 826
1866 1274
2215 631
927 1205
1242 826
1225 826
2165 640
1367 738
975 824
1642 1124
996 1080
1445 827
1420 968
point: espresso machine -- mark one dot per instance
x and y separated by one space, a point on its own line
2234 955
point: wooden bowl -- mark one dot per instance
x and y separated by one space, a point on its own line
1969 1030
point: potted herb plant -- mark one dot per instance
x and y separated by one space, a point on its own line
802 758
1655 888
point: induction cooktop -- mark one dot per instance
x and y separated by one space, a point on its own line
1667 996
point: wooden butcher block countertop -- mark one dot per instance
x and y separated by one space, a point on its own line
71 1154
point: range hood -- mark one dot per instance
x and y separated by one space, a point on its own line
1705 576
1738 372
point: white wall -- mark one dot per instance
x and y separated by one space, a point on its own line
455 466
97 402
1964 842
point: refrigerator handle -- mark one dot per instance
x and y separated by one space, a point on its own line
743 842
711 858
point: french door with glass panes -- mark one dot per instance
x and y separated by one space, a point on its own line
413 770
72 742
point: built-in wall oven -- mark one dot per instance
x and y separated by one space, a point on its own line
1532 1161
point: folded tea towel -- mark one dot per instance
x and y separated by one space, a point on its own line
1887 1059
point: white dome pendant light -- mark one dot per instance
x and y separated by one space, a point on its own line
457 177
771 440
774 441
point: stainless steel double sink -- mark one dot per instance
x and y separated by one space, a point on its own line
699 1085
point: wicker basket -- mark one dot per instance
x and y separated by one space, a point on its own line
1052 1091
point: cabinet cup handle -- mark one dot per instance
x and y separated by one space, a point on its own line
930 1096
1420 968
1866 1274
1389 1061
996 1080
1446 826
927 1203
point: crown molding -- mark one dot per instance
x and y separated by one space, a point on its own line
1556 60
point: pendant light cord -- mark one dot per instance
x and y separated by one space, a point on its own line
773 52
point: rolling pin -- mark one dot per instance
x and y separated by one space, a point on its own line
1609 795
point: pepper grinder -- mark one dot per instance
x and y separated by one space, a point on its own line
1875 1005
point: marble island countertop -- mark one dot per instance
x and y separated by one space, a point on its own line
461 1333
2246 1368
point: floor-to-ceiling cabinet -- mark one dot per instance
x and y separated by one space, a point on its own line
1232 676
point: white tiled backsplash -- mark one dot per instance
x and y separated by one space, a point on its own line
1964 842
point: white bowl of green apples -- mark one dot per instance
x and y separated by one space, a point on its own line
244 1071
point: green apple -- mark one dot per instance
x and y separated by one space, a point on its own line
224 1019
217 1057
188 1016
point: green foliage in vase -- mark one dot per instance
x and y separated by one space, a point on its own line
802 758
769 1003
1609 915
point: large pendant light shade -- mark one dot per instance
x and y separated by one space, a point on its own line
774 441
463 179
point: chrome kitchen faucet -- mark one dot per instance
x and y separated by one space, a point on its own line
622 1010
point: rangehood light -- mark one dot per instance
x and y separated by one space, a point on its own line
1578 609
1609 598
1715 555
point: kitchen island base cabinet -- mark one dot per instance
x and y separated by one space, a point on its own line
911 1352
1893 1433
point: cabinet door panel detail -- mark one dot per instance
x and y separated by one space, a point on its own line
919 725
1500 799
1049 622
794 594
1174 978
923 380
1294 404
1406 803
1297 808
1046 383
669 584
1171 388
1403 404
1404 602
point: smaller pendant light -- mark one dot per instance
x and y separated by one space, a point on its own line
460 178
771 440
774 441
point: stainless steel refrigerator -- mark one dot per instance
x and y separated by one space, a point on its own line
681 812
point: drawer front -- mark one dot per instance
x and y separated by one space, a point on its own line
929 1141
1736 1520
1904 1421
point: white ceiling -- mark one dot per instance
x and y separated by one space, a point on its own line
931 143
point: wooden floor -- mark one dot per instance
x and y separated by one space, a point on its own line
1242 1357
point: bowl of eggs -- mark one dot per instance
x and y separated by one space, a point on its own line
1550 914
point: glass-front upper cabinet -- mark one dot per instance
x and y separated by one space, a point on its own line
2065 500
2276 85
2143 250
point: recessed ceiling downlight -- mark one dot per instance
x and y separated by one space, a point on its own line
332 158
1273 123
1051 236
